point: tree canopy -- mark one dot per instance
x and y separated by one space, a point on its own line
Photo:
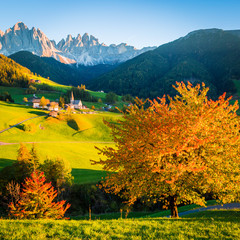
43 102
176 150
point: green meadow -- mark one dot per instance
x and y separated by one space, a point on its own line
204 225
72 139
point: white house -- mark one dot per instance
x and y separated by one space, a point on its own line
36 102
53 106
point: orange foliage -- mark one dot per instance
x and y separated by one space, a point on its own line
36 200
175 151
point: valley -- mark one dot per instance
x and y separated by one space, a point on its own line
83 113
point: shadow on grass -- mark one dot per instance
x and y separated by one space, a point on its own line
81 131
86 176
226 215
18 105
72 124
20 126
38 113
4 162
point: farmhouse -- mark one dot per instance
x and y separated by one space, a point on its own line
36 102
53 106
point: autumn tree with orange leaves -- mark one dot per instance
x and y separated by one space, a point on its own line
175 151
37 200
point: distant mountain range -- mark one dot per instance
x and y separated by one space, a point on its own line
211 56
84 50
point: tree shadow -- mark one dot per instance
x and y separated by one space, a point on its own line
38 113
72 124
4 162
19 106
87 176
20 126
81 131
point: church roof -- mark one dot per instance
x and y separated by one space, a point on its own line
76 102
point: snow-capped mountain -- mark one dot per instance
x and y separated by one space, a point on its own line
83 50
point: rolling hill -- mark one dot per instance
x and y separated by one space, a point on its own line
73 138
209 55
59 72
13 74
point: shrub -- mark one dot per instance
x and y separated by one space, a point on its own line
31 127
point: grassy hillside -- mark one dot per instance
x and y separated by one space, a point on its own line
13 74
207 225
205 55
74 139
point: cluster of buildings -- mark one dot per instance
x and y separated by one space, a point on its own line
54 106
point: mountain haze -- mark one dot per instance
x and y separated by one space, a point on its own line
85 50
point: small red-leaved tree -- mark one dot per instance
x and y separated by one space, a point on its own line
36 200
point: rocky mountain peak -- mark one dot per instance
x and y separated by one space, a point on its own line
19 26
69 38
41 33
79 37
85 50
85 38
61 44
93 40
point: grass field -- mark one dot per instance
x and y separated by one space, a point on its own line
204 225
19 93
73 140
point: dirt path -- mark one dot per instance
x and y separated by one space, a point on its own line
4 143
216 207
20 123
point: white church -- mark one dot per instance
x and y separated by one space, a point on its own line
75 104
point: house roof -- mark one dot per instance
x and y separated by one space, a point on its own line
37 100
52 104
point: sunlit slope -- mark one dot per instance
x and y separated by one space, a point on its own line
72 138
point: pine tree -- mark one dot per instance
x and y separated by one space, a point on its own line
23 167
34 160
27 162
61 102
36 200
23 153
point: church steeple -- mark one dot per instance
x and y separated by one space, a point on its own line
72 98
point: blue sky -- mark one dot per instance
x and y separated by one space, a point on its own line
135 22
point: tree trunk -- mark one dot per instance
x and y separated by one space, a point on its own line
173 207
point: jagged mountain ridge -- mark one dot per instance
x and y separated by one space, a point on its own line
84 50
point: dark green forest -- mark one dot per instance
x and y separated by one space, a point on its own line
59 72
210 56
